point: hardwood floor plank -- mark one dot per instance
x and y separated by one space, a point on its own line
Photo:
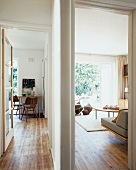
29 149
99 150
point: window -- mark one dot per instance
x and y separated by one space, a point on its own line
95 83
87 81
15 77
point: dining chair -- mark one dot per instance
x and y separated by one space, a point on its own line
30 105
16 104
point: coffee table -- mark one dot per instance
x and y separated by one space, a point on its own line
108 110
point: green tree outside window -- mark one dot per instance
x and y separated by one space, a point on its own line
87 79
15 80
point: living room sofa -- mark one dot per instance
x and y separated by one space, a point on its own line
119 125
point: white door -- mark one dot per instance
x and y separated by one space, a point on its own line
7 91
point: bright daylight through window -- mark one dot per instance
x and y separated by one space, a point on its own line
15 77
95 83
87 82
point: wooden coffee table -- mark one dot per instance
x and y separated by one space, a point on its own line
108 110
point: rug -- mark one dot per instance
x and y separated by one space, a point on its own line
89 124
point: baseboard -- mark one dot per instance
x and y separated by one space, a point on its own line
54 164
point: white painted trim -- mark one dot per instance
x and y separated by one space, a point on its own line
107 9
46 79
1 116
9 138
103 55
72 72
132 92
67 54
49 85
132 70
118 8
108 4
130 88
25 26
54 163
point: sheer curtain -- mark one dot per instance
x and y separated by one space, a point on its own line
121 60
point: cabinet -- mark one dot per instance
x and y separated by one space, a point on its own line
123 103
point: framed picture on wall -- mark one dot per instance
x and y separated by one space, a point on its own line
27 86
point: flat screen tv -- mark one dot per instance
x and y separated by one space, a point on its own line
27 86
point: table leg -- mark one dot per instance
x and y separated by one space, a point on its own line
108 114
19 108
113 114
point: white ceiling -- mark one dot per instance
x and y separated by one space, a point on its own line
100 32
22 39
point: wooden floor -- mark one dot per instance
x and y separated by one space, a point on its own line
29 149
101 150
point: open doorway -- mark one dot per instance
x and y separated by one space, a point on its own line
101 36
29 58
30 53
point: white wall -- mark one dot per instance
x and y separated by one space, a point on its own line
56 101
81 57
32 11
1 103
30 69
63 131
100 32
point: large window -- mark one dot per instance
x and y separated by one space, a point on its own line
87 81
95 83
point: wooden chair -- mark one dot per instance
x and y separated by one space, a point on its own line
30 105
16 105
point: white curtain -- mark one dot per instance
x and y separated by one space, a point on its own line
121 60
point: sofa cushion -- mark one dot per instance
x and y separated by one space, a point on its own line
111 125
122 119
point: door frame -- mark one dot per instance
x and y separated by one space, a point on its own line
25 27
116 7
7 138
131 60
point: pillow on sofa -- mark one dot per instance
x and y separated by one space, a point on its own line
122 119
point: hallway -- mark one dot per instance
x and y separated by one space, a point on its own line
29 149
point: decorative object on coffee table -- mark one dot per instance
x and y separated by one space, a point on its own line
87 109
114 107
85 112
78 108
77 111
